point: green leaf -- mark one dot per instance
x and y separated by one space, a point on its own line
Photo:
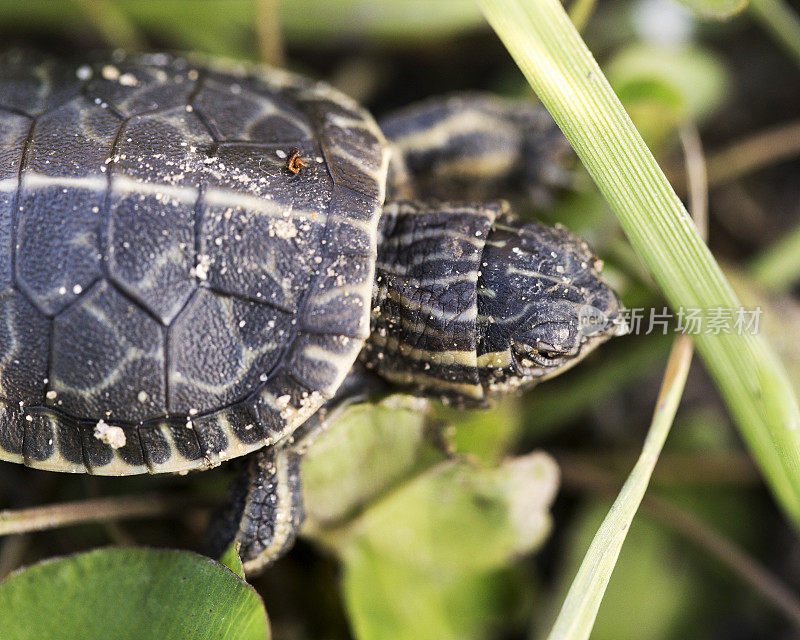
392 600
231 559
136 594
365 452
486 434
425 540
459 516
662 87
419 563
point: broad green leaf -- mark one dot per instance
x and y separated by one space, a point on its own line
486 434
136 594
420 562
365 452
426 541
392 600
459 516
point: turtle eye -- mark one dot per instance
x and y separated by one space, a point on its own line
546 358
528 359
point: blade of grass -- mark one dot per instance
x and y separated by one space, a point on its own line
780 22
587 475
571 85
579 610
778 268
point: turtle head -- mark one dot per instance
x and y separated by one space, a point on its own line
542 305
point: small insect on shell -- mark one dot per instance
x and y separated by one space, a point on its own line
294 162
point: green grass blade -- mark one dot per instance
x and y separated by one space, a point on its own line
569 82
579 610
778 268
780 22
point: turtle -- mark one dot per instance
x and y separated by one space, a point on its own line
203 260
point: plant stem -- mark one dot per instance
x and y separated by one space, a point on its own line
112 24
94 510
268 27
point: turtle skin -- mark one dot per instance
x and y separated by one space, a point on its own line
171 294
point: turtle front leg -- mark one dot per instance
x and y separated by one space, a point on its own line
264 511
475 146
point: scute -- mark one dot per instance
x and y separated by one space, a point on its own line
14 129
162 272
34 84
219 348
151 253
108 359
237 114
57 241
74 139
14 132
165 148
266 243
6 241
24 344
132 88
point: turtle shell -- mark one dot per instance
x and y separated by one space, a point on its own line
171 294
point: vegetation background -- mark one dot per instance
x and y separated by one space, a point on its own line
425 522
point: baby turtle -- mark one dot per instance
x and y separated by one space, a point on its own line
198 262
